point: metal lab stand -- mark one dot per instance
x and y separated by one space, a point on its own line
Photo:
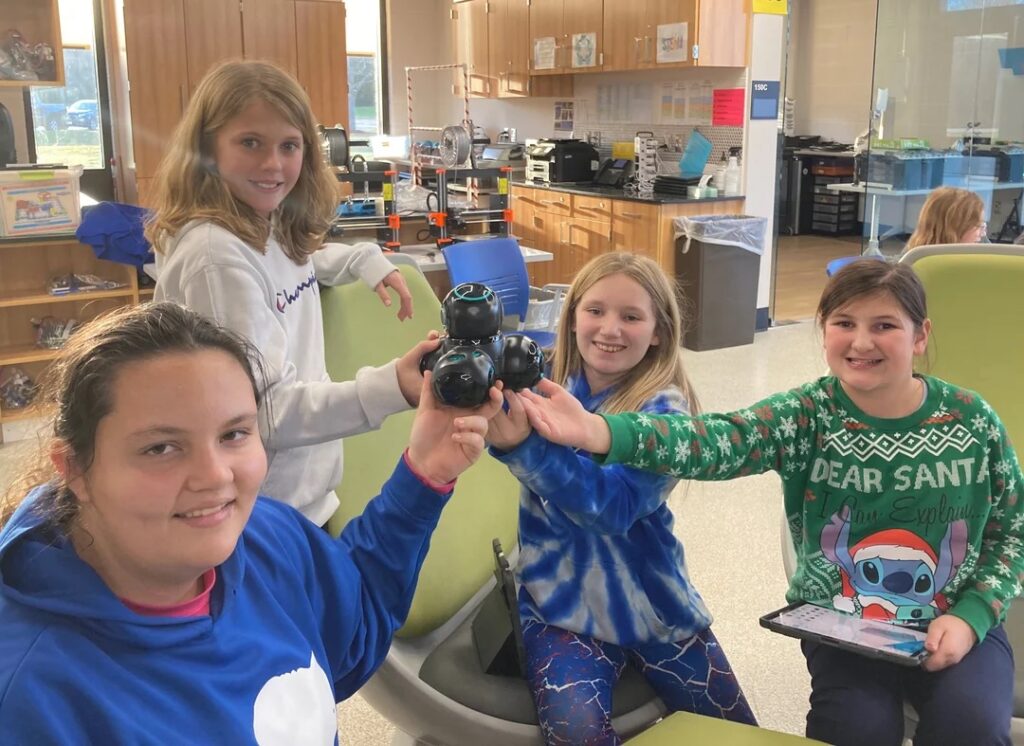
444 217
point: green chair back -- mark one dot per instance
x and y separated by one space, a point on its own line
358 331
976 306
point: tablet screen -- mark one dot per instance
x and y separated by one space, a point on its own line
907 642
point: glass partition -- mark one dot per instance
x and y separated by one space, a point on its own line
948 110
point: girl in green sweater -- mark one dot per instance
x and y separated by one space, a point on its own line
902 495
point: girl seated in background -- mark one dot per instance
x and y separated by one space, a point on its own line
604 579
148 596
949 215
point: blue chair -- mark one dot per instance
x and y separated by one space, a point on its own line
837 264
498 263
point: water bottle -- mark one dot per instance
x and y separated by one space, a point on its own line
732 177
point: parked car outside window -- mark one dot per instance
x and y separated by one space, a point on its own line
83 113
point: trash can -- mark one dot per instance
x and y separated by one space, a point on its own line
718 258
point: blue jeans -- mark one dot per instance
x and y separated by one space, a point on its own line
572 677
859 700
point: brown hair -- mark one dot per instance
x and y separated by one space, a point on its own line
76 392
946 216
866 277
662 366
188 187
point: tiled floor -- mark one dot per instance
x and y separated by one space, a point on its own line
731 531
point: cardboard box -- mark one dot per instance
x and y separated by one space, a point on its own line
38 202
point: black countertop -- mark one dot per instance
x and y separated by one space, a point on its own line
612 193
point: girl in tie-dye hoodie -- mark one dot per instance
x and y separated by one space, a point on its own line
603 577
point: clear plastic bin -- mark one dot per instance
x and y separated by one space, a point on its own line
38 201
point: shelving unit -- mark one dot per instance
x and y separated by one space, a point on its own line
26 267
37 21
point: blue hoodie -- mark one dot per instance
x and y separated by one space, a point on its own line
597 553
298 621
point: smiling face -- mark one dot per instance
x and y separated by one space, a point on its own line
614 324
176 467
870 344
259 156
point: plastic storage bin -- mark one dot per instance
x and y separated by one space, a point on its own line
37 201
718 258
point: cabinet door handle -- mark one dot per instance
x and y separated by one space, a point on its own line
648 57
636 49
632 215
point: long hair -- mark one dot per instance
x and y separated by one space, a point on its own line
188 187
662 366
77 390
946 216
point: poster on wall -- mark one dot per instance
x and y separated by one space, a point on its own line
673 39
584 50
727 107
544 53
563 116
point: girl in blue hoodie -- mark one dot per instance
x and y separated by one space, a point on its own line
148 595
603 578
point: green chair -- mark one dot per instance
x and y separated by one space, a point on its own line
976 305
431 686
686 727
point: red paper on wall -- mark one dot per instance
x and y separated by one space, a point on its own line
727 107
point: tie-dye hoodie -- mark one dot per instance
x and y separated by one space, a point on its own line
597 552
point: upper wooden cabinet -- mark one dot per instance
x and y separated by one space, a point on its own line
471 46
566 36
171 44
508 33
38 23
644 34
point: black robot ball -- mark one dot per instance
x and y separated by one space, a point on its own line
474 354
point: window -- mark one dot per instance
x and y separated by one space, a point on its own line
66 121
363 45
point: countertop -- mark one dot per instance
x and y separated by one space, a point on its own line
612 193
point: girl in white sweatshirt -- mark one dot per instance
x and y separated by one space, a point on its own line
242 203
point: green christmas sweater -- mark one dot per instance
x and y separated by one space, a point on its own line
893 519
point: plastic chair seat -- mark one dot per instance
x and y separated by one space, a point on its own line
685 727
453 669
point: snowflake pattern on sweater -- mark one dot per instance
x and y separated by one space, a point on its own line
893 519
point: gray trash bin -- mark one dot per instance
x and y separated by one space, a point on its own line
718 258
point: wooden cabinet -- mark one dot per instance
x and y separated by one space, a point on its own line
508 33
566 36
26 267
716 33
38 22
471 46
577 227
321 60
171 44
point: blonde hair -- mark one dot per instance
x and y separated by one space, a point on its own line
946 216
662 365
188 187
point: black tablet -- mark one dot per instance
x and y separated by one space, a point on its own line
889 642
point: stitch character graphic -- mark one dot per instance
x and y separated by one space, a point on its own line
892 575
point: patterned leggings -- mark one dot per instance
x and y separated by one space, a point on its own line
572 676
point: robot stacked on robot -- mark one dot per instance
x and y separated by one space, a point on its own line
474 354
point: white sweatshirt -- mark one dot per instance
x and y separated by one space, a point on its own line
275 303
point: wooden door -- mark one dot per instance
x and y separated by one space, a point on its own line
722 33
471 47
667 14
582 34
321 60
588 239
623 33
546 33
635 227
154 32
516 45
213 33
268 32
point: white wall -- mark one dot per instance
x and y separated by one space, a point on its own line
419 34
12 99
829 67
